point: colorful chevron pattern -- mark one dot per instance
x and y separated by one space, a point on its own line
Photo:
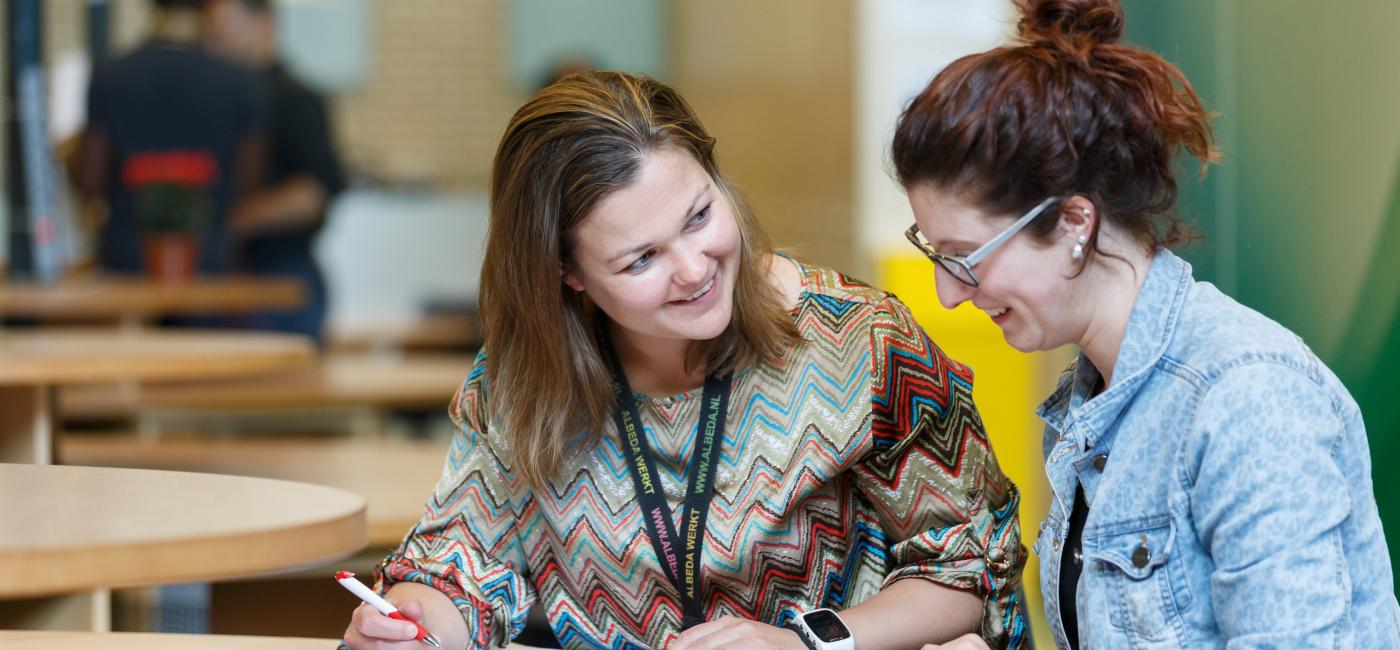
857 460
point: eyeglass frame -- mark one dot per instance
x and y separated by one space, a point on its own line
965 263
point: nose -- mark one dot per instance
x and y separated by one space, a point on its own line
692 267
951 291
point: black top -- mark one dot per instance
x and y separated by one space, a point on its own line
1071 565
299 143
170 101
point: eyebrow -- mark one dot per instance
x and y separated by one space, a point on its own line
641 247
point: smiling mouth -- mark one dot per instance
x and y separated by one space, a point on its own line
701 292
995 312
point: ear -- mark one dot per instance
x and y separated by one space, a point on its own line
570 278
1078 216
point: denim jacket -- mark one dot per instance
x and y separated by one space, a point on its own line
1229 487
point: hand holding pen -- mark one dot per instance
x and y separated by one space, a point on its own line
347 579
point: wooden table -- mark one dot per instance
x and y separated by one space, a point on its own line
132 641
134 300
13 640
85 529
395 477
433 332
339 392
32 362
336 380
79 528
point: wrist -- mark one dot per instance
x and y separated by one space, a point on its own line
823 629
802 642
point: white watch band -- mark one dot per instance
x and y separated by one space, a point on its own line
824 630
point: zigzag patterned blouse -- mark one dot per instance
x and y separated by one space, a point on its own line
857 460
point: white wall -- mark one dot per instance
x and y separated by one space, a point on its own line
386 254
900 45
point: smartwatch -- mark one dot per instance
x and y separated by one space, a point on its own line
822 629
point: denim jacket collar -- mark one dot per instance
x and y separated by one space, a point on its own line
1150 329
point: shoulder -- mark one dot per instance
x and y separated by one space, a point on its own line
836 295
468 408
830 285
1252 371
896 341
1216 335
288 86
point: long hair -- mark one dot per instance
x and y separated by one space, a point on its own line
1067 110
564 151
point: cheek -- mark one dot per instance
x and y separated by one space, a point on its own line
1022 284
725 237
626 298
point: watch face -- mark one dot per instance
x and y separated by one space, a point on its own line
826 625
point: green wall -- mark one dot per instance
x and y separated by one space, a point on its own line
1302 217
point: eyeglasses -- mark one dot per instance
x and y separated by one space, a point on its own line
961 267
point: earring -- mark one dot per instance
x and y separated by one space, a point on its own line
1078 251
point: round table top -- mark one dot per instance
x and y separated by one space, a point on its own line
395 477
40 357
16 640
115 297
75 528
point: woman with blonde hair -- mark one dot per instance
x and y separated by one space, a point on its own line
1211 477
675 438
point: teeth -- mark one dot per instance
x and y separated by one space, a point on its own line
702 290
996 312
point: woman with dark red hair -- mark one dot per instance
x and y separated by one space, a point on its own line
1211 476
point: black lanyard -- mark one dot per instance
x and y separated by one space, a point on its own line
680 558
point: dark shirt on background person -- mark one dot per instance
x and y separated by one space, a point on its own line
299 144
164 101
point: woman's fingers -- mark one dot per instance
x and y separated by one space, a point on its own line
967 641
369 623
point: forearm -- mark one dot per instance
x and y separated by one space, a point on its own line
440 615
299 201
912 612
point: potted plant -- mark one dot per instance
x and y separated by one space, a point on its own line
174 208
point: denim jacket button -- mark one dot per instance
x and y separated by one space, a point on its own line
1141 556
1100 461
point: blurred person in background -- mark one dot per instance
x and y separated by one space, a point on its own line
1211 477
274 228
676 438
174 137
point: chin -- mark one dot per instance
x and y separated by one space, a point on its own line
1020 344
710 327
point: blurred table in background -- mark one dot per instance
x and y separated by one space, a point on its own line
34 361
134 300
430 332
337 392
85 528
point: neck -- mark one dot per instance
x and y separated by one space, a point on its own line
1116 288
654 366
179 25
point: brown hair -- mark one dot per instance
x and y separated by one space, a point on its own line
564 151
1066 111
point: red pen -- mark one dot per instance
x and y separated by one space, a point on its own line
347 580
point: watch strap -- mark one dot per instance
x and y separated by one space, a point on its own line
801 634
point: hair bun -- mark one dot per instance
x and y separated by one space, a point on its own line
1050 21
